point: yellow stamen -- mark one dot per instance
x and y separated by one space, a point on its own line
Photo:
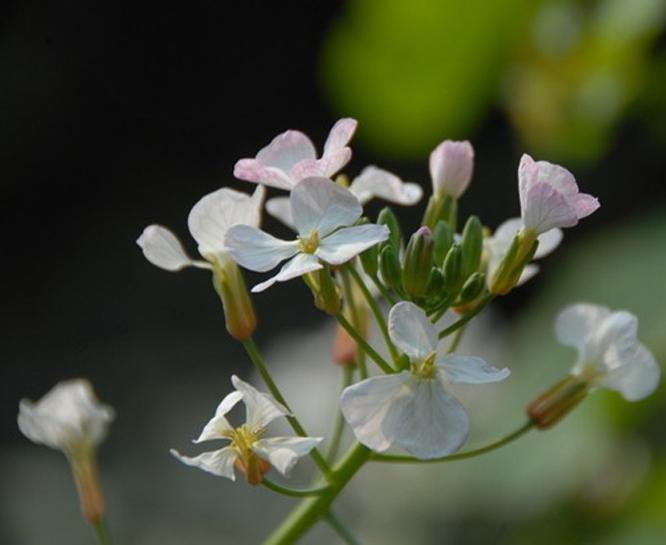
309 245
426 368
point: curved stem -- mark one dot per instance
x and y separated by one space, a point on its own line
375 457
457 337
371 352
466 318
258 360
376 311
339 426
340 529
293 492
383 290
102 532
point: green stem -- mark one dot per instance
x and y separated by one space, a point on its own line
376 311
457 337
371 352
310 510
339 425
356 321
383 290
293 492
375 457
340 529
466 318
252 351
102 532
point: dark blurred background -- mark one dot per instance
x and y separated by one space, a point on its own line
117 115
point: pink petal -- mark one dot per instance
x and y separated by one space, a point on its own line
545 209
340 135
251 170
585 205
286 150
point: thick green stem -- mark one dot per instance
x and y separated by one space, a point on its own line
375 457
340 529
294 492
310 510
258 360
363 344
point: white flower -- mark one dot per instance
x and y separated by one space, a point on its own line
291 157
249 450
68 418
412 409
451 166
549 196
321 211
372 183
497 246
208 221
609 353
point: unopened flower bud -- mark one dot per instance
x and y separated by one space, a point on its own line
417 263
472 287
370 260
228 281
552 405
451 166
472 246
435 286
326 295
443 240
389 266
345 349
388 218
452 269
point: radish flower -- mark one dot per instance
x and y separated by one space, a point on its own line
451 166
412 409
249 451
322 212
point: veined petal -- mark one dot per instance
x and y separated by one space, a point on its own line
163 249
378 183
613 342
256 250
284 452
218 462
637 378
545 208
252 170
261 408
348 242
470 370
585 205
280 209
297 266
286 150
214 214
340 135
367 407
451 166
411 331
576 323
430 422
322 205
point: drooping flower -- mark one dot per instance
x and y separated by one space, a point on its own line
412 409
372 183
291 157
497 246
249 451
71 419
208 221
322 212
451 166
549 196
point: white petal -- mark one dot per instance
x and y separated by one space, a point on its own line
529 272
451 166
262 408
218 462
637 378
470 370
214 214
256 250
348 242
252 170
613 342
298 266
576 323
284 452
68 415
287 149
545 208
377 183
430 422
508 230
411 331
340 135
366 406
280 209
163 249
548 241
218 425
319 203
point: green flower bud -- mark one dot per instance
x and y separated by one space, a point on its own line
389 265
435 286
327 295
387 217
452 269
472 287
472 246
370 260
443 240
417 263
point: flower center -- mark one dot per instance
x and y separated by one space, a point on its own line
309 244
242 438
425 369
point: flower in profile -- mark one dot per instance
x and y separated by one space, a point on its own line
451 166
71 419
412 409
322 212
609 352
497 246
249 451
372 183
549 196
291 157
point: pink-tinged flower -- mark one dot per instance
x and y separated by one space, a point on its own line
451 166
291 157
549 196
323 214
